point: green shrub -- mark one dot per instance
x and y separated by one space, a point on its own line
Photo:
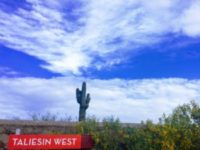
178 131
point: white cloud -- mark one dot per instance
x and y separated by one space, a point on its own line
99 29
130 100
191 20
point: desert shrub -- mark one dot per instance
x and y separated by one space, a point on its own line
177 131
106 135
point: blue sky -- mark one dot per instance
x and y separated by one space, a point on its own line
138 47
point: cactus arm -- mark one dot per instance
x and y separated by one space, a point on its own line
78 95
88 99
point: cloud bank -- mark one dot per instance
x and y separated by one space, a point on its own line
71 36
129 100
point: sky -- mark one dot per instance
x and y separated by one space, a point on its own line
140 58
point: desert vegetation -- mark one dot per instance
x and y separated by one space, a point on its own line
177 131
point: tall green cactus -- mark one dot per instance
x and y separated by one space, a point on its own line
83 99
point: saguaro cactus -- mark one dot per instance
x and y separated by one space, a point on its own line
83 99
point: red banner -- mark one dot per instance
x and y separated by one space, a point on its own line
42 141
